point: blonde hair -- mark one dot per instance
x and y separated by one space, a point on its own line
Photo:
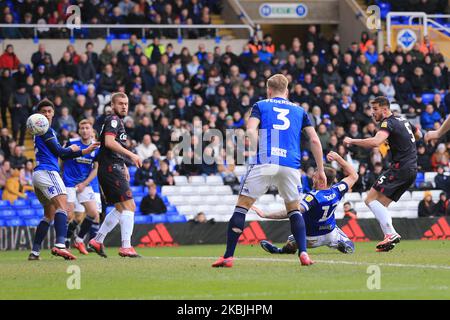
278 83
116 95
85 121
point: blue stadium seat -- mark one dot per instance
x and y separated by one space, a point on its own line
39 212
143 219
137 190
20 204
26 213
420 179
35 204
132 170
14 222
176 219
427 97
138 199
171 208
4 205
7 214
2 223
159 218
172 213
31 222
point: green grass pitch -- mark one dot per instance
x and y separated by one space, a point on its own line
414 270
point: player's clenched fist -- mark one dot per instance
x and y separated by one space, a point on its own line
333 156
348 141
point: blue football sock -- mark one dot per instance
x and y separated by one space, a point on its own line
298 229
94 229
60 224
85 226
235 228
39 236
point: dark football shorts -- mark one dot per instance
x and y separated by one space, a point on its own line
394 182
113 182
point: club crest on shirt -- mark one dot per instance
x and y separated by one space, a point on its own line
309 198
114 123
384 124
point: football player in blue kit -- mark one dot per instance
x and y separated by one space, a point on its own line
275 126
318 209
78 175
49 186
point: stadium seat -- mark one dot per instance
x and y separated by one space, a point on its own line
417 195
427 98
352 196
186 190
196 180
20 204
273 207
214 180
411 205
204 190
429 176
137 190
31 222
180 180
35 204
2 223
138 199
176 219
131 169
143 219
365 215
14 222
195 200
212 199
222 190
7 214
177 200
419 179
39 212
359 206
25 213
4 204
185 209
435 194
224 210
170 190
158 218
172 212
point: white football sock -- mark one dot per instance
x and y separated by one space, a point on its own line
111 220
383 217
126 227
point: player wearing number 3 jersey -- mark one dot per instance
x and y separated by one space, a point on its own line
277 125
401 137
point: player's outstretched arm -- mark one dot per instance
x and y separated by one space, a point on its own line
113 145
436 134
351 176
368 143
278 215
316 149
72 151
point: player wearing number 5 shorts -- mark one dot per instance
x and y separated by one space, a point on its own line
113 177
275 127
392 183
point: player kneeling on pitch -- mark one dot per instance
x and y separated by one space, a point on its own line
318 208
78 175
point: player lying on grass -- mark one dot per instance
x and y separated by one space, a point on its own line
318 208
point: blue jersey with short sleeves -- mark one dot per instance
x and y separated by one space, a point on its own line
319 209
76 170
280 131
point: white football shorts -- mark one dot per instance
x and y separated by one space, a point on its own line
48 184
260 177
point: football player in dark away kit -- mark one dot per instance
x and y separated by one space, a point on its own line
392 183
113 177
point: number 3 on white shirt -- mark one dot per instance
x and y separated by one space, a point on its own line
282 113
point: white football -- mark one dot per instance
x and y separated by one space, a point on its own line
37 124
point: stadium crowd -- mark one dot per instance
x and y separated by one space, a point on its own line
115 12
171 93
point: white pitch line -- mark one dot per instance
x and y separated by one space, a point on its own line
399 265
